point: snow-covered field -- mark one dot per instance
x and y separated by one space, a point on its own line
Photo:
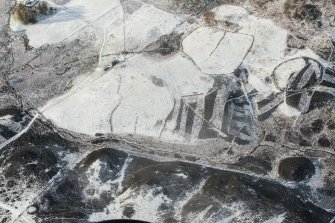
217 51
127 98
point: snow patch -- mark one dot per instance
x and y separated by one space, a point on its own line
217 51
125 99
277 219
145 203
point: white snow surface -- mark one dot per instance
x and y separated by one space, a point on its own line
278 219
142 27
101 104
216 51
86 109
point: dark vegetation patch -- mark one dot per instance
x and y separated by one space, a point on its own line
6 132
177 156
164 175
166 45
270 138
191 158
114 159
306 131
190 6
175 180
297 139
314 128
262 3
28 162
317 126
157 81
331 125
128 211
324 141
301 10
255 164
296 169
30 15
201 6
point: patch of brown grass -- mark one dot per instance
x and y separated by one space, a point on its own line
209 18
25 14
30 15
